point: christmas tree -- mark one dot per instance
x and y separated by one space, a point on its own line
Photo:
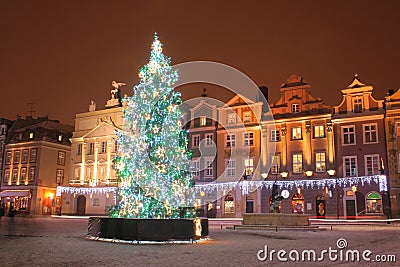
153 159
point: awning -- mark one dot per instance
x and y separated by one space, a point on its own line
14 193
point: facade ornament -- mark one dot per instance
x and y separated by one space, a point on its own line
92 106
283 131
116 98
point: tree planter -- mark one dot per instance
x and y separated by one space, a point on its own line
148 229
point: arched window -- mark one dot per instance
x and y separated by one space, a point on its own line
374 203
229 205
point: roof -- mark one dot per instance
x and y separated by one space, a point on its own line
294 80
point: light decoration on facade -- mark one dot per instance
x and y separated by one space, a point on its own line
84 190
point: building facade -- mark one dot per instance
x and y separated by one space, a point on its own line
36 161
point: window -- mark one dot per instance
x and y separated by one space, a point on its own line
296 133
297 163
348 135
116 146
33 155
248 167
91 148
247 116
370 133
61 158
8 157
319 131
79 149
77 173
357 104
96 202
374 203
371 164
230 140
60 136
320 162
295 108
231 118
229 205
275 136
209 139
31 135
60 176
203 121
14 175
25 155
195 167
6 177
208 167
23 175
350 166
248 139
17 155
231 168
276 164
196 140
103 147
32 174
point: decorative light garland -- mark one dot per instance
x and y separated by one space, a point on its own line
249 186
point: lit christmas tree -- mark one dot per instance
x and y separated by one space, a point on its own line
153 160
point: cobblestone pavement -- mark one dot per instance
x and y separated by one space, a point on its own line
47 241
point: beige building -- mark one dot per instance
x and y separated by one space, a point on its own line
92 183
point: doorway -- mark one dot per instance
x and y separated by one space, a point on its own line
320 207
351 209
81 205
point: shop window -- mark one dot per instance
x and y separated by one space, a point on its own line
229 205
374 203
298 203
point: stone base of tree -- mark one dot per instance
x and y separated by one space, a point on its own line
147 229
276 219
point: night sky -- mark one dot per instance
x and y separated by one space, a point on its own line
59 55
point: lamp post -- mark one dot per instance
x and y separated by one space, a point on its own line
332 173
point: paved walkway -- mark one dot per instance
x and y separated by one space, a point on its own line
50 241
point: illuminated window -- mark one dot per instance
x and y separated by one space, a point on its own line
195 167
17 155
25 155
77 173
203 121
371 164
196 140
350 166
320 162
276 164
209 139
295 108
89 173
231 118
370 133
247 116
248 167
32 174
8 157
6 177
14 175
296 133
374 203
357 104
31 134
297 163
248 139
208 168
60 176
230 168
33 155
79 149
275 136
319 131
60 136
229 205
348 135
103 147
91 148
230 140
61 158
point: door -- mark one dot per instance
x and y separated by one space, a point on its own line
81 205
351 209
249 206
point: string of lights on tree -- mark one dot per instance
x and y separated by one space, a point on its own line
153 160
